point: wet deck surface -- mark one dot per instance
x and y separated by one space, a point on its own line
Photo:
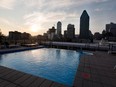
93 71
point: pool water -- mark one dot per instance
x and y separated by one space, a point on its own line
54 64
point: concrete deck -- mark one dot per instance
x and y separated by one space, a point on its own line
93 71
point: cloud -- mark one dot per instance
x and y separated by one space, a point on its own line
42 18
101 1
7 4
49 12
44 21
33 3
9 25
45 13
98 9
58 5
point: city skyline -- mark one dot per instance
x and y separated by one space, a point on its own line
37 16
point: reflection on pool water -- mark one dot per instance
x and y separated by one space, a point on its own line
88 53
54 64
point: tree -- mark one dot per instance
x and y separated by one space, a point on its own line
103 34
108 34
1 36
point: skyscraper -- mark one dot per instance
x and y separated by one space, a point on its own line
59 27
84 25
70 31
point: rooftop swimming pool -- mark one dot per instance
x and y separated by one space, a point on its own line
54 64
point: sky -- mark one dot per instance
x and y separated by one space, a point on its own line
37 16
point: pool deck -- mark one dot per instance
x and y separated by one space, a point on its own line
13 78
96 71
11 50
93 71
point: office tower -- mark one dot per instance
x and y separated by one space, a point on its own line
59 27
70 31
84 25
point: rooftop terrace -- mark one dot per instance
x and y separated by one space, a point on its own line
93 71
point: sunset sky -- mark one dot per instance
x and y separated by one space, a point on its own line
37 16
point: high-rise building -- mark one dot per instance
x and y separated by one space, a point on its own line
84 25
59 27
51 33
65 34
111 28
70 31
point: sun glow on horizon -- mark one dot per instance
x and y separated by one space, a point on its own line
34 28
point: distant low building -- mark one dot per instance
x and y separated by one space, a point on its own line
45 35
111 28
25 36
14 35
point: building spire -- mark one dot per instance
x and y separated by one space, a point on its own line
84 14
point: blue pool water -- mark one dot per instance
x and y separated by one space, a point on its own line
54 64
